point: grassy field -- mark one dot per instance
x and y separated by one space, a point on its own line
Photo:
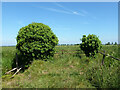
65 70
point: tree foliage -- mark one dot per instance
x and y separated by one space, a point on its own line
36 41
108 43
90 45
115 43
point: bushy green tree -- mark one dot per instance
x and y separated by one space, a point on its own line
36 41
90 45
115 43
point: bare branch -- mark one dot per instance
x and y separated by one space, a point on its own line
16 60
109 56
11 70
16 72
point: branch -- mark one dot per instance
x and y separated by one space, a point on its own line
16 72
11 70
18 68
109 56
16 60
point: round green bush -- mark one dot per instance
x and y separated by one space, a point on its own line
36 41
90 45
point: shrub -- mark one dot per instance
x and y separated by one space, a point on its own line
36 41
90 45
115 43
107 43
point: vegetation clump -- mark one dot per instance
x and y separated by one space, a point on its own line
36 41
90 45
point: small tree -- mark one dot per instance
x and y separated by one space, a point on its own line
107 43
112 43
90 45
36 41
115 43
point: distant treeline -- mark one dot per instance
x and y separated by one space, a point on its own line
67 44
108 43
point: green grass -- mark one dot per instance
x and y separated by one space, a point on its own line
65 71
8 54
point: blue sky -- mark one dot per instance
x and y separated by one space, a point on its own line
68 20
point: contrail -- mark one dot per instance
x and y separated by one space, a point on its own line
71 11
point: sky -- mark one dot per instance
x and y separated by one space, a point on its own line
68 20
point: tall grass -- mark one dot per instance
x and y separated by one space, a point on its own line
66 70
8 54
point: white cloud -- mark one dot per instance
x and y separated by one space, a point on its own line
57 10
65 10
69 10
83 11
78 13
